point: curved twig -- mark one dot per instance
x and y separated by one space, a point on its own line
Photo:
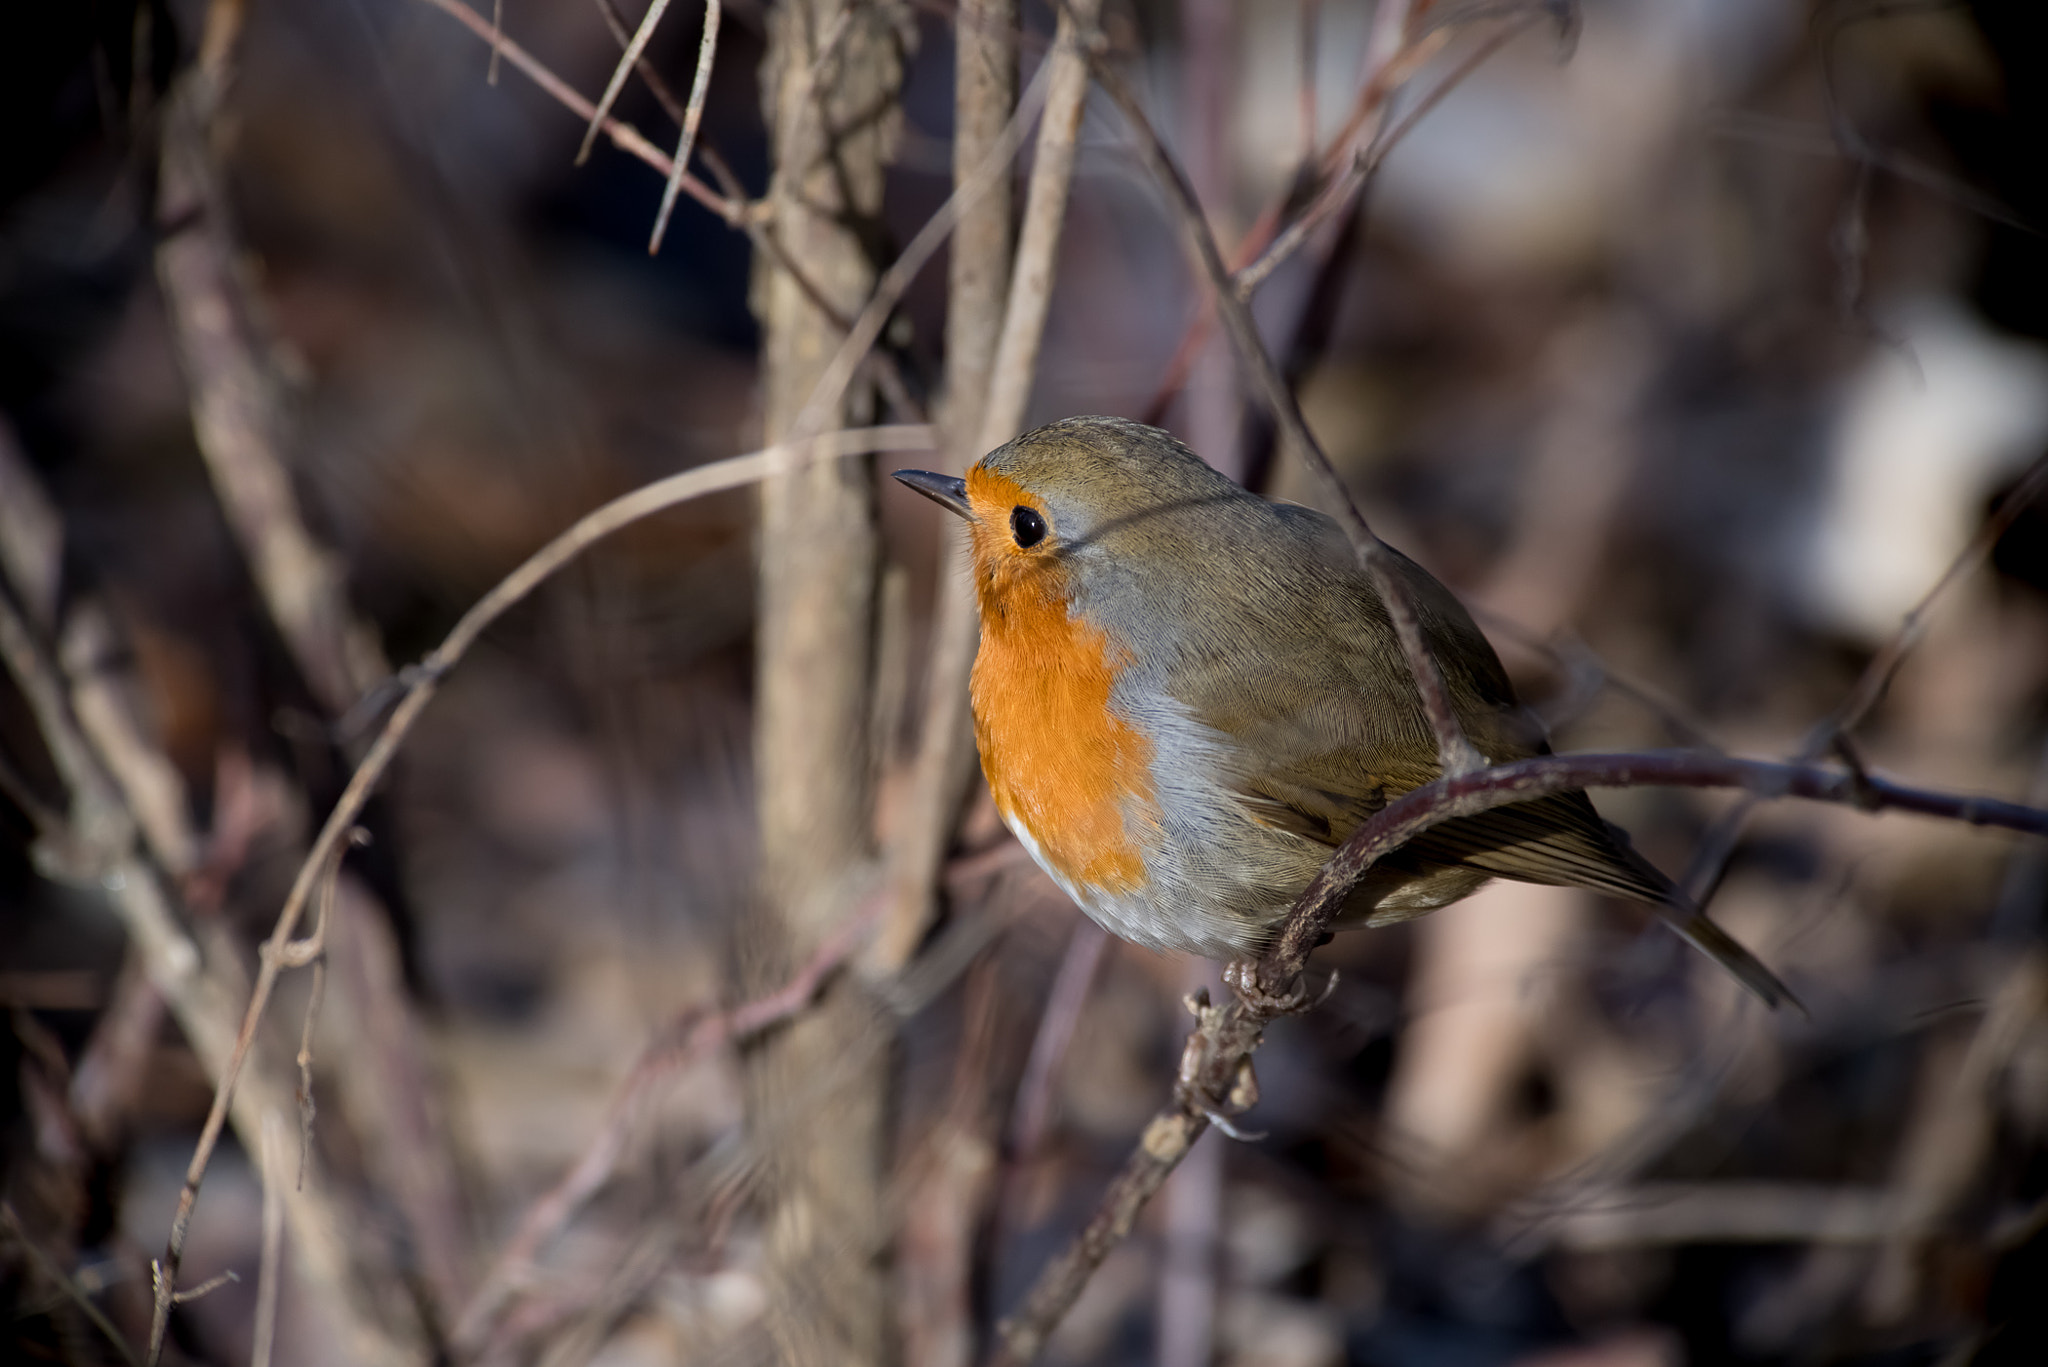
1218 1051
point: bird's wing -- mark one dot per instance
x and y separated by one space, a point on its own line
1558 839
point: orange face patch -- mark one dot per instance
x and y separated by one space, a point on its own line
1059 763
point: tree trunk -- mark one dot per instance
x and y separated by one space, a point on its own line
817 1089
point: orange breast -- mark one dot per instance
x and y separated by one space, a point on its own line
1060 764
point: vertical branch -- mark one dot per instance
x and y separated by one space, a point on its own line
830 80
270 1268
1038 238
238 402
978 282
943 760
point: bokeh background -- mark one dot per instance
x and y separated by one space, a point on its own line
1692 350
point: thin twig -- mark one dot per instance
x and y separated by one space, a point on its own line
942 761
684 1040
624 68
1341 191
707 51
1266 245
206 1288
1711 857
47 1265
830 389
1045 213
1215 1062
423 681
676 109
204 993
313 950
761 232
1455 753
624 136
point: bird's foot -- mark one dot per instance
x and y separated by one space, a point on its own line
1242 977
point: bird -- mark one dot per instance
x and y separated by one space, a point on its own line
1186 696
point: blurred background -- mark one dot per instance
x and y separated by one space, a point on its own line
1692 347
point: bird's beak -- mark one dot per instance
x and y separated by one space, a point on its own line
944 490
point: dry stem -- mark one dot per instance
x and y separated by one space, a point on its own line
1718 844
693 115
1216 1060
688 1037
624 136
943 744
421 683
1455 753
238 402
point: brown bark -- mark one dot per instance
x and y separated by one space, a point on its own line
816 1091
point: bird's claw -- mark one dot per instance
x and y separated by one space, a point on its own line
1223 1123
1242 977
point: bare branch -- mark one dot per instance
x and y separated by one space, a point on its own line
270 1266
423 681
638 44
761 232
687 1038
1456 754
1711 857
977 318
1215 1063
56 1275
830 389
1340 192
707 51
624 136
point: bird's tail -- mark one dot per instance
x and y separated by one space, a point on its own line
1697 929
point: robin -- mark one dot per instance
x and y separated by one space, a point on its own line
1186 697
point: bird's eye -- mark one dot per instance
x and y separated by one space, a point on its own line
1027 527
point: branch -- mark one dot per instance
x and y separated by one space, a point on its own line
104 832
624 68
942 764
830 389
1038 238
1342 171
238 403
624 136
687 1038
707 51
422 681
750 220
1455 753
1214 1079
1715 848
